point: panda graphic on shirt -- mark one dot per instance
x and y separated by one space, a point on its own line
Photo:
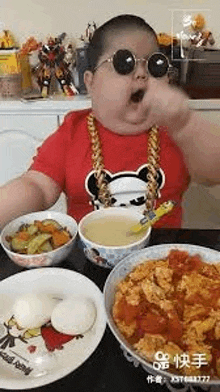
127 188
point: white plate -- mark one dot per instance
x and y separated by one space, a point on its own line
19 367
122 269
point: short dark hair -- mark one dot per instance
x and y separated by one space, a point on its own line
97 44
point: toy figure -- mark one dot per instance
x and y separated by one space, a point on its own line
166 40
87 36
52 62
29 46
201 37
7 40
69 56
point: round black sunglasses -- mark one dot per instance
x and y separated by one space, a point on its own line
124 63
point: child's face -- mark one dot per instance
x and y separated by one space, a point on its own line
111 93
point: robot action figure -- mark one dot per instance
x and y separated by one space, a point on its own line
53 62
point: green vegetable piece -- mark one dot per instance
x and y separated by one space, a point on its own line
32 229
37 242
46 247
52 222
19 245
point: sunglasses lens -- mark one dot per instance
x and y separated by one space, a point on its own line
123 62
158 65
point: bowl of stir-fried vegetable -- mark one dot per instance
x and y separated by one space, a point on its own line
39 239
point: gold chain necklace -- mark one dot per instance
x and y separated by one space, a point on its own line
99 170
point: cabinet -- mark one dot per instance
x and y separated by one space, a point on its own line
23 127
25 124
40 125
38 118
201 204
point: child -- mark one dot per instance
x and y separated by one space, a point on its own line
104 158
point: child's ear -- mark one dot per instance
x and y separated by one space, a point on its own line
88 78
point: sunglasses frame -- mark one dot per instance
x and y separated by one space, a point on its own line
136 61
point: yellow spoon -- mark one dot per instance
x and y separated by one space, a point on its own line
152 217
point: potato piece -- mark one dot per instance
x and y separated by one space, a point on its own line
37 242
18 245
46 247
32 229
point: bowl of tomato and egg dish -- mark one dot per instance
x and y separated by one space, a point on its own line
162 305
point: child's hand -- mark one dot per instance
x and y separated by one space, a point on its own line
164 105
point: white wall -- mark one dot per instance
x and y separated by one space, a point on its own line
43 17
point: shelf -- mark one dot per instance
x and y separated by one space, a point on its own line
205 104
59 106
49 106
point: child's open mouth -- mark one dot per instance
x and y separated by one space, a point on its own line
137 96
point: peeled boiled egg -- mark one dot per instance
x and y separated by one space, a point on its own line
33 310
74 315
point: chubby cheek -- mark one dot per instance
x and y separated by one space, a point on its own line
110 97
112 89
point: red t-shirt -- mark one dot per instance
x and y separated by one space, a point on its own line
65 156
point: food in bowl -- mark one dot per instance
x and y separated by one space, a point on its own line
70 315
74 315
33 310
106 236
171 307
49 247
112 230
38 237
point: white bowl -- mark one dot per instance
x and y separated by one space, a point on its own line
126 265
44 259
109 256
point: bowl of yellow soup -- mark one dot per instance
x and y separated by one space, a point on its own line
106 236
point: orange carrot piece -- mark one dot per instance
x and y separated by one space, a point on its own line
60 238
23 235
